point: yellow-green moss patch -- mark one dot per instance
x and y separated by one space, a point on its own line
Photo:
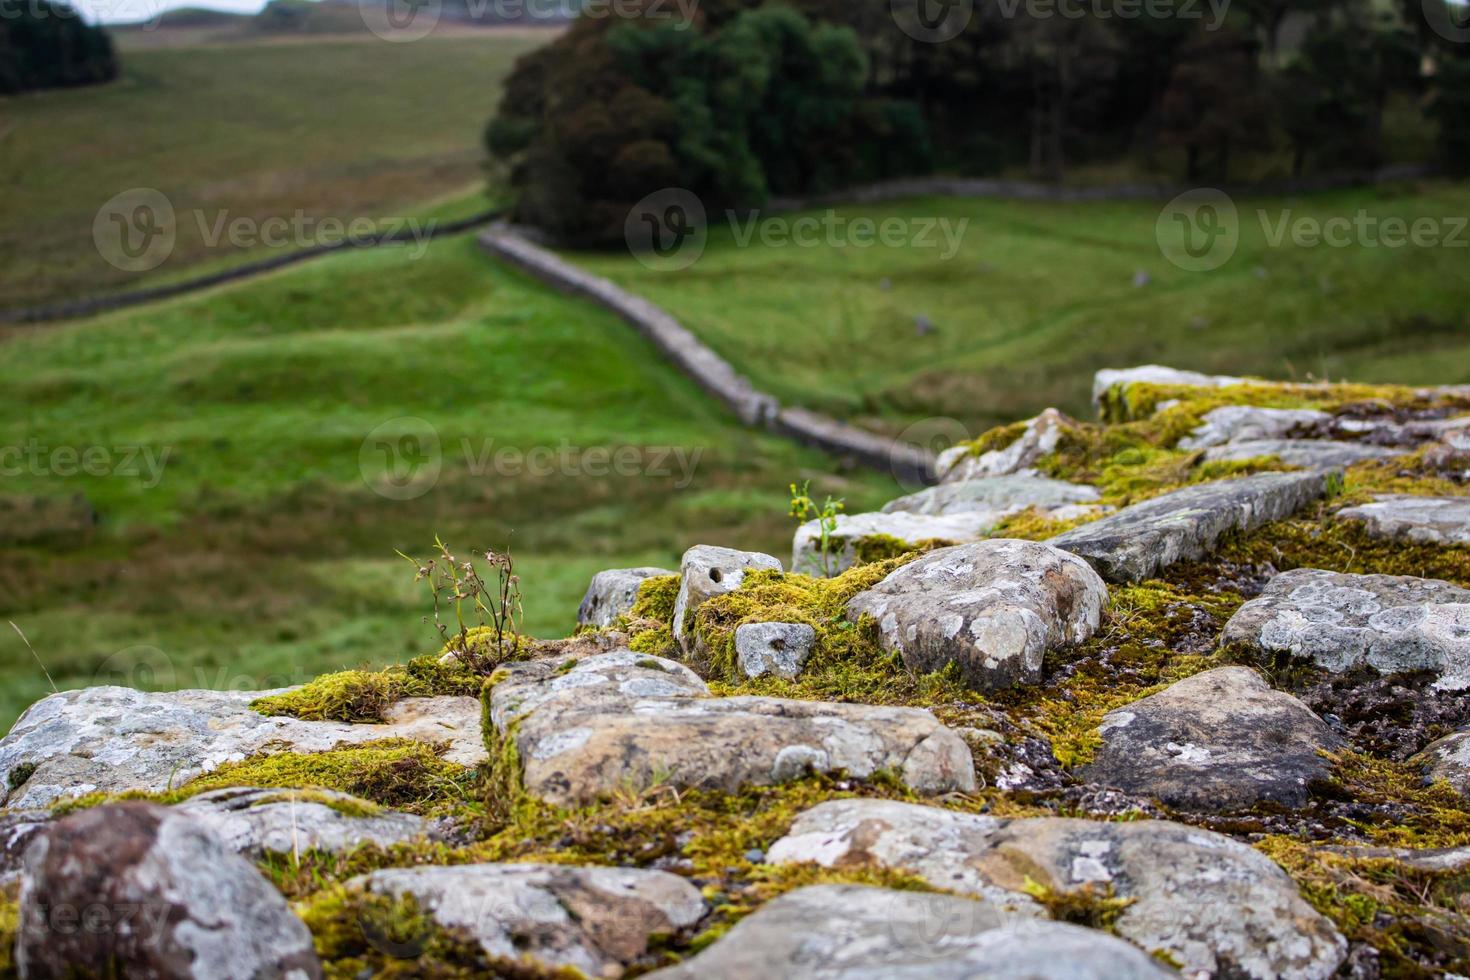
364 695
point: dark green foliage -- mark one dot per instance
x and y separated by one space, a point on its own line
49 45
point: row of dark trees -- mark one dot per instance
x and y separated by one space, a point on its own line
49 45
756 98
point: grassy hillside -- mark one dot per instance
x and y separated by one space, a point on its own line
1040 295
335 129
262 556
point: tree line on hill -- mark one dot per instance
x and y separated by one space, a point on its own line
749 99
49 45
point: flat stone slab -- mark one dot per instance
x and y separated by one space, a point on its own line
596 920
612 593
256 822
1008 494
149 891
620 719
1304 453
707 571
912 529
1431 520
115 739
854 932
1220 740
773 648
1139 541
1215 906
1246 423
1040 436
1341 622
992 607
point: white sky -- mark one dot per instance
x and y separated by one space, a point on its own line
130 11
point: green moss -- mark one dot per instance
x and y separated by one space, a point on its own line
882 547
1087 905
1033 525
656 598
1343 546
357 933
1407 914
363 696
9 927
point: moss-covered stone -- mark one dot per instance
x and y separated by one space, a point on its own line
364 695
9 925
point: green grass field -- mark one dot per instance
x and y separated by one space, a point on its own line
1039 296
335 129
261 554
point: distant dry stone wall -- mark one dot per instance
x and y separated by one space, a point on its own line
709 370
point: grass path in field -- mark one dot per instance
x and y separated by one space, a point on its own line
337 129
1041 295
264 555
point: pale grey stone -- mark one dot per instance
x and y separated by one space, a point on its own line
707 571
1007 494
17 829
625 719
160 895
612 593
1304 453
773 648
1220 740
255 822
1216 906
1157 374
1140 540
1040 437
1246 423
115 739
1342 622
853 932
992 607
1448 759
913 529
597 920
1431 520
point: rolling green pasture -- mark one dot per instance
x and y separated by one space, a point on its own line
338 129
263 553
1039 296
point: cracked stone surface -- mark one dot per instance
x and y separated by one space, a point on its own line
1008 494
1246 423
1448 758
1041 435
1339 622
1432 520
1216 906
806 545
619 719
166 899
1220 740
114 739
773 648
855 932
707 571
255 822
594 919
992 607
1304 453
1138 541
612 593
